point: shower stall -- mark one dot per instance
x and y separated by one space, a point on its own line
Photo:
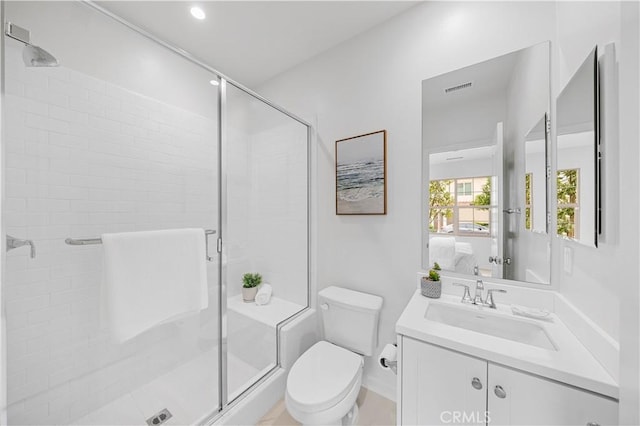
107 129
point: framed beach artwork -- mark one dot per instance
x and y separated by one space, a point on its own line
361 174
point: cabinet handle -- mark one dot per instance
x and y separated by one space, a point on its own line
476 383
499 391
593 424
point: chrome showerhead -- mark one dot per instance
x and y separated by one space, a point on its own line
33 56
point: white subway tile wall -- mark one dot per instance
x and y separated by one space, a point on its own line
278 234
266 197
84 157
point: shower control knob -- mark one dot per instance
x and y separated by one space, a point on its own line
324 307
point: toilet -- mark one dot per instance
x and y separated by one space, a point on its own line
324 382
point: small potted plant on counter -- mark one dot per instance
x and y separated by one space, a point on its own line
430 286
250 283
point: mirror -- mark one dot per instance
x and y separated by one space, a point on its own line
536 218
484 140
578 205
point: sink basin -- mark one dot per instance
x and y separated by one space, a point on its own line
474 319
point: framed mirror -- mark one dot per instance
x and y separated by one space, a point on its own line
484 140
578 156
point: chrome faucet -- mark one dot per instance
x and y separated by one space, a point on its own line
477 299
489 300
466 297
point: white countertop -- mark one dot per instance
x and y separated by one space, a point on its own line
572 363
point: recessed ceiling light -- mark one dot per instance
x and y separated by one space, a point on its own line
198 13
214 82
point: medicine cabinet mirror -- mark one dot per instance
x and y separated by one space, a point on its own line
485 168
577 156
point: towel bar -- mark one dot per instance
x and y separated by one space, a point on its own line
89 241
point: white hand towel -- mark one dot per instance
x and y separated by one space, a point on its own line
152 277
263 296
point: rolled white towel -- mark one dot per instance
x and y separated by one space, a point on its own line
264 294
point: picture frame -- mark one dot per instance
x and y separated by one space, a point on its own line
361 174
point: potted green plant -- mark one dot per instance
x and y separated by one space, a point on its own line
430 286
250 283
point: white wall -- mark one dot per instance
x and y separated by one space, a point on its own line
374 81
630 291
463 124
590 288
461 169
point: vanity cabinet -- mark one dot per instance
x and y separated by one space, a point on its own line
441 386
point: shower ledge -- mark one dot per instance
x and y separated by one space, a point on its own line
271 314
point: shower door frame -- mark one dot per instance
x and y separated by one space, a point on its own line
222 226
223 403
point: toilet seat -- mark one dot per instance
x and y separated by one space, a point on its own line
322 377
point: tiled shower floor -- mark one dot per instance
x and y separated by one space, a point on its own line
189 392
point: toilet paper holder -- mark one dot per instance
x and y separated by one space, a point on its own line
391 364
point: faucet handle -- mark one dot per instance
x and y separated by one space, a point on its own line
489 300
466 297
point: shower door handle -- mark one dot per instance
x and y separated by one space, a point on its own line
13 242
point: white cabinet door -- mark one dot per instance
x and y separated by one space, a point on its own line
532 400
440 386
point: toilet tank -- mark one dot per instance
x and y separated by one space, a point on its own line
350 318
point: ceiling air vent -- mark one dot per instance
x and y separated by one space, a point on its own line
458 87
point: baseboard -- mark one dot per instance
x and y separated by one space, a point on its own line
381 387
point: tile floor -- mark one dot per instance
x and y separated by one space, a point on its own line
374 410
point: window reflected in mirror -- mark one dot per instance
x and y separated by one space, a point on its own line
528 206
460 206
568 202
461 224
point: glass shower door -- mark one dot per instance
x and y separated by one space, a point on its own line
264 230
121 137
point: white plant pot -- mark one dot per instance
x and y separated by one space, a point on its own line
249 294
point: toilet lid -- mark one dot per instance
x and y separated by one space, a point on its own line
322 376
